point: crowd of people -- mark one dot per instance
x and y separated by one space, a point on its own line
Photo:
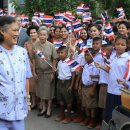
90 90
78 72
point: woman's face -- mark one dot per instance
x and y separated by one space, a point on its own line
84 34
64 33
43 36
57 33
33 34
11 34
52 31
94 32
122 29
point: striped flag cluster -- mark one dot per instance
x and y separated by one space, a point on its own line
73 64
120 13
48 20
82 8
36 20
104 17
84 11
81 45
40 18
40 54
127 73
1 12
109 34
57 44
77 26
87 17
24 20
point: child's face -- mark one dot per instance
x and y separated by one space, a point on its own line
96 45
120 46
84 34
57 33
94 32
88 58
62 54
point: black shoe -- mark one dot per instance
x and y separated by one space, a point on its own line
35 107
47 116
41 114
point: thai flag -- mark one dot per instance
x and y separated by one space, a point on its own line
104 17
69 27
80 10
36 14
73 64
68 12
109 31
67 18
57 44
121 13
127 73
36 20
25 20
82 45
13 14
87 17
1 12
41 15
86 9
48 20
59 17
40 54
104 55
77 26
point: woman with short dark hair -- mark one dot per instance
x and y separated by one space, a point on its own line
14 72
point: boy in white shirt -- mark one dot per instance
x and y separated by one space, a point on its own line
64 86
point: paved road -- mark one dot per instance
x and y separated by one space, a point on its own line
33 122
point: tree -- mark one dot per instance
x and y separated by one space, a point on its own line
51 6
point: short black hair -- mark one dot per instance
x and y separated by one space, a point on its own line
30 28
97 39
122 37
62 48
125 23
5 20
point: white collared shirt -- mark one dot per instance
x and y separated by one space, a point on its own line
117 71
64 70
89 69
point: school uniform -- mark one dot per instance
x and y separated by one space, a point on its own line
117 71
64 81
103 81
87 81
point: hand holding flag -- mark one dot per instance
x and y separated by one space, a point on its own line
41 55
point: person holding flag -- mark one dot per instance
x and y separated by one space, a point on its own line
44 70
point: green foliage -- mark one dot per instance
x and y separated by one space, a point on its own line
51 6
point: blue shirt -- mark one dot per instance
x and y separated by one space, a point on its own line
14 69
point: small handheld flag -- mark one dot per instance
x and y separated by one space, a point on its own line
40 54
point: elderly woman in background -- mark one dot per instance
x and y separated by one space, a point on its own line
32 33
43 72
